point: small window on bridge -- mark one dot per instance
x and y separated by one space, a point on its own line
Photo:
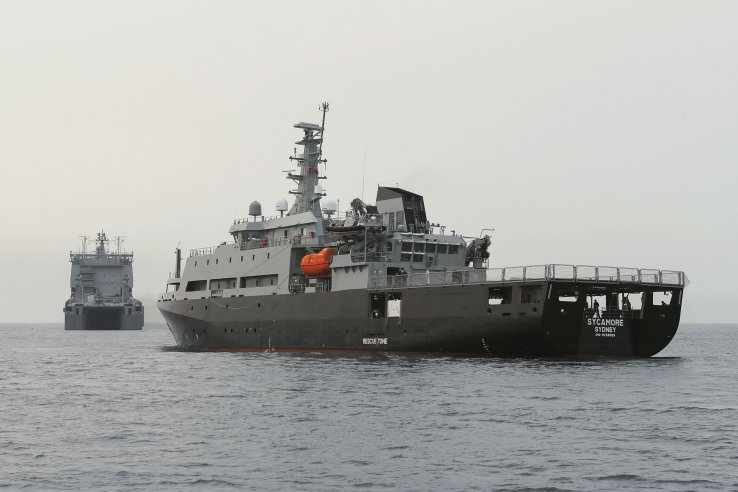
453 249
442 248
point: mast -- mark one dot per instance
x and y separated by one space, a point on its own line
308 193
102 239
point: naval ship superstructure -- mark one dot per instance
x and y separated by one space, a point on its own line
383 277
102 289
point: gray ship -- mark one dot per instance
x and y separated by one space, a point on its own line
102 289
385 278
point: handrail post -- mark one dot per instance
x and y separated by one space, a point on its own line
597 274
502 277
618 273
575 273
524 273
640 279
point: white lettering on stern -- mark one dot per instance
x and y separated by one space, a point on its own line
605 327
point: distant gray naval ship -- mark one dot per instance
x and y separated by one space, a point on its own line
102 290
384 278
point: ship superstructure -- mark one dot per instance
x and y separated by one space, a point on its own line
102 289
383 277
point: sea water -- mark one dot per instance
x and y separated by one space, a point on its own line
125 411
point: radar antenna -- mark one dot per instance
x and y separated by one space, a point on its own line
323 109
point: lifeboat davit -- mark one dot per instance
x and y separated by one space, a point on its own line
318 265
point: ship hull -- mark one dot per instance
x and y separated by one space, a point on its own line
113 317
443 320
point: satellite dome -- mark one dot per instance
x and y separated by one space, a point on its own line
282 205
329 206
255 209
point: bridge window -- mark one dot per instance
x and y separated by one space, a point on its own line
442 248
406 252
453 249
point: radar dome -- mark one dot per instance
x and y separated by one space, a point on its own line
282 205
329 206
255 209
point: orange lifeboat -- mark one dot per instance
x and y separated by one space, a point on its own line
319 264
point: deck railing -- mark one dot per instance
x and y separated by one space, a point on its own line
535 273
284 241
208 250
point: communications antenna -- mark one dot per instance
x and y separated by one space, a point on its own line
119 240
84 243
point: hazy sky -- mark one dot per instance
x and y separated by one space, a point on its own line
588 132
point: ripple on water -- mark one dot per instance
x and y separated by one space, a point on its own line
90 412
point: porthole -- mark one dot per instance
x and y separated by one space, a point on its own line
192 308
206 307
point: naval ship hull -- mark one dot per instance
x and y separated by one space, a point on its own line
442 320
116 317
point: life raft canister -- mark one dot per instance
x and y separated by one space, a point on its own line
318 265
